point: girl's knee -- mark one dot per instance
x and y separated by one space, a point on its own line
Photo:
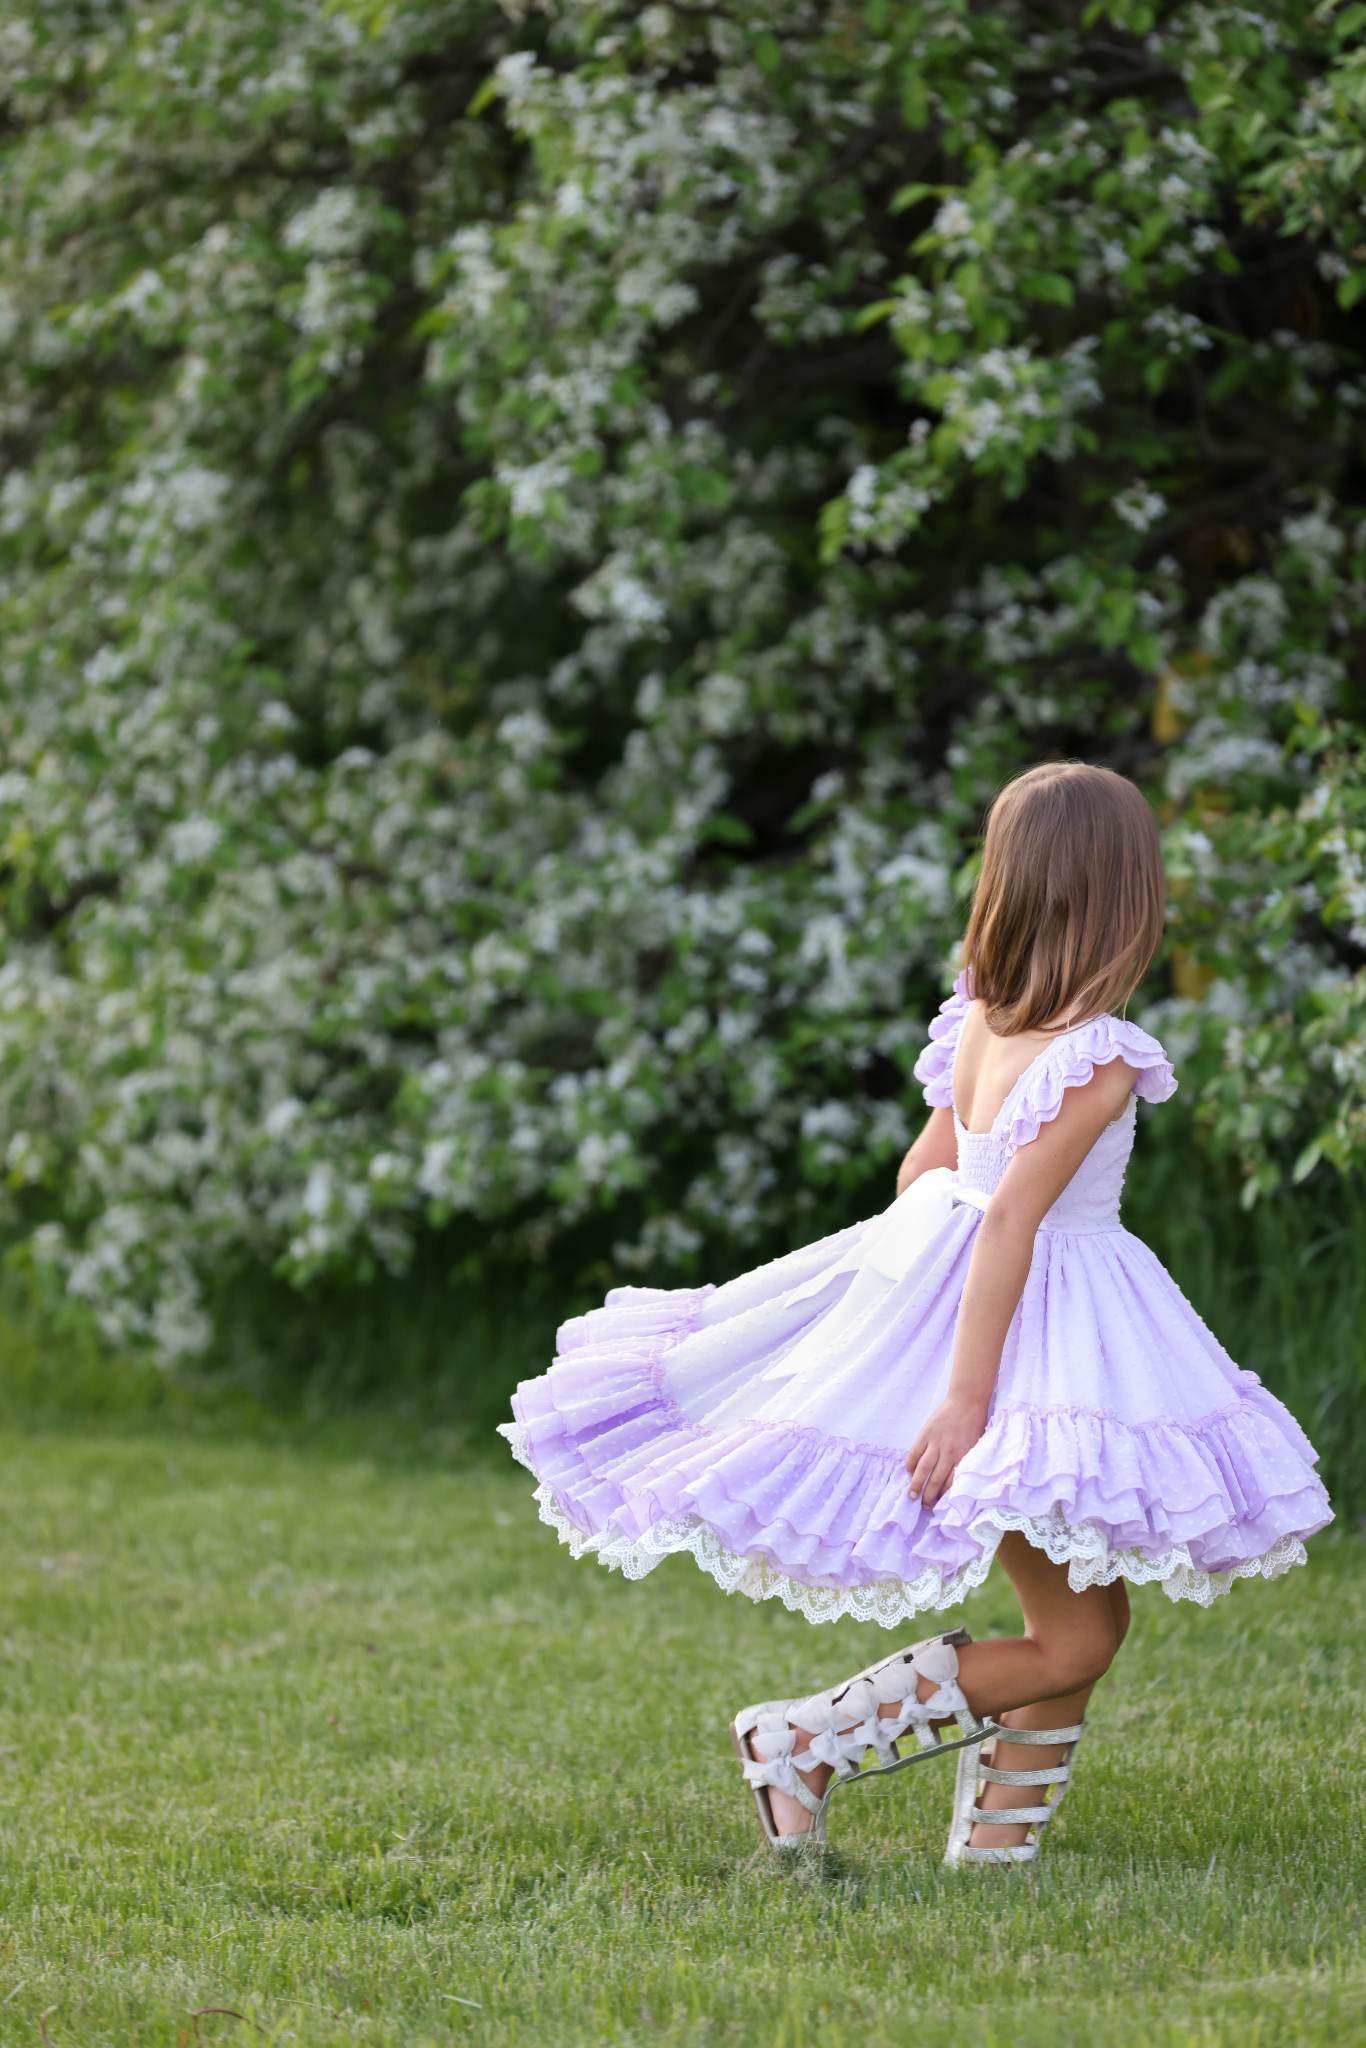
1084 1664
1082 1651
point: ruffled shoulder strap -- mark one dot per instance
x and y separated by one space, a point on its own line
1070 1062
934 1068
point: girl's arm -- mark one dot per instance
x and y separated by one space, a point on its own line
936 1146
999 1267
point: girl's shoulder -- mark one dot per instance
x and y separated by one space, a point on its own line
1072 1059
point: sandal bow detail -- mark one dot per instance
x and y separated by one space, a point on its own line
845 1722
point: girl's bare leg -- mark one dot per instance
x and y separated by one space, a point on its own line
1048 1672
1062 1712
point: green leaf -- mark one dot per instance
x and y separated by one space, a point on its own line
1145 651
915 99
1349 23
1307 1161
834 529
486 94
1049 285
1115 615
768 53
727 829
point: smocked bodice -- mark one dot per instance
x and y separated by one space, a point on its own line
1090 1201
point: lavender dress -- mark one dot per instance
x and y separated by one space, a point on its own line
763 1425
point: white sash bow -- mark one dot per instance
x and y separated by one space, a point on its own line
905 1228
894 1241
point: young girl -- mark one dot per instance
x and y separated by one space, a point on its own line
992 1367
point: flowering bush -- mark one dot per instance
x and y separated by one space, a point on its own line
529 534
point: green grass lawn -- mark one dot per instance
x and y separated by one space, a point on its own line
350 1746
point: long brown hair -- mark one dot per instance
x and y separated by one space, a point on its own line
1069 903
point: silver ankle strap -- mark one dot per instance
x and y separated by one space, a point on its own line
1056 1774
1040 1737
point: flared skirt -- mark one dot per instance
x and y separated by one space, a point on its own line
762 1427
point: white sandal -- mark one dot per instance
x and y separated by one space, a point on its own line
844 1723
976 1770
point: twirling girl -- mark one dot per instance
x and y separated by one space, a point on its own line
993 1367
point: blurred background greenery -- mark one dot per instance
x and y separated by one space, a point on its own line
528 537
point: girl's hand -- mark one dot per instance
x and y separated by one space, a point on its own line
949 1433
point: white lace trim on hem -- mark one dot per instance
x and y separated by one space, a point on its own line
1080 1546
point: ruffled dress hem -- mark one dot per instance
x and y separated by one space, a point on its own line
621 1440
1089 1560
